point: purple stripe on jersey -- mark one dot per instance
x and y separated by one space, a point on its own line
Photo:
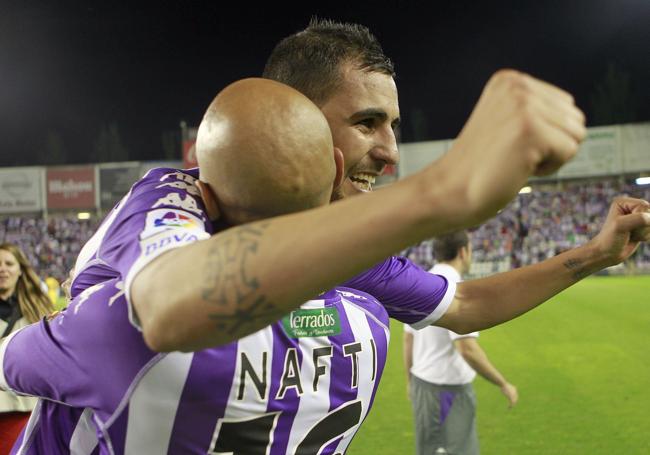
291 400
377 314
341 390
19 442
204 399
116 434
330 449
446 401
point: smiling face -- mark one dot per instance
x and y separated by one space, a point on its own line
363 115
9 273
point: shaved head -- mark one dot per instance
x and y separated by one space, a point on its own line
265 149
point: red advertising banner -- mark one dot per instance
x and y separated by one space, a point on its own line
188 137
71 188
189 154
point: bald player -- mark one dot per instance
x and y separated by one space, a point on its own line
303 383
104 391
252 172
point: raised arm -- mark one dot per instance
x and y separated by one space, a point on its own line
221 289
486 302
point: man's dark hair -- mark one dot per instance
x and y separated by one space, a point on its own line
310 61
447 247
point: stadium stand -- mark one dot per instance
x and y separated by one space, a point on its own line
51 244
543 223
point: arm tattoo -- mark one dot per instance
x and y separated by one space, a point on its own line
576 265
229 287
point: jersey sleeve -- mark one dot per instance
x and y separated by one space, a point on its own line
409 293
87 348
162 211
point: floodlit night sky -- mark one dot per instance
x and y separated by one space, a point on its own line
67 71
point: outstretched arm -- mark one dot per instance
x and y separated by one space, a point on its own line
486 302
475 356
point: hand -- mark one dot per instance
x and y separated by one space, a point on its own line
627 224
510 392
521 126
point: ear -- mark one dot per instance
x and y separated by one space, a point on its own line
209 199
340 167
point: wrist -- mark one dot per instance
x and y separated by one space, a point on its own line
587 259
443 200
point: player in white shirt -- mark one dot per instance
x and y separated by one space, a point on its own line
441 366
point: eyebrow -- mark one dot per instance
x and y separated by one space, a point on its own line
377 113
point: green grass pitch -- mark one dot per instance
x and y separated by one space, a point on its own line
581 363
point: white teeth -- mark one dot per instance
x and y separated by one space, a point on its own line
363 181
363 176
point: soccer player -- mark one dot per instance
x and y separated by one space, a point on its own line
441 365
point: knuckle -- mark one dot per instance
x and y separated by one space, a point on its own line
504 77
527 123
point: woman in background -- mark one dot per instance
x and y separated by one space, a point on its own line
22 302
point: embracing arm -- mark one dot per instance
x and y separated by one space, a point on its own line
218 290
486 302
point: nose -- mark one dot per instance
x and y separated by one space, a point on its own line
386 148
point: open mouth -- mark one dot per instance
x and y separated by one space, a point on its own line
363 181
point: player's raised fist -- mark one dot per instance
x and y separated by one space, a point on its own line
521 126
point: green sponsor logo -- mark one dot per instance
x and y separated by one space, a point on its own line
312 323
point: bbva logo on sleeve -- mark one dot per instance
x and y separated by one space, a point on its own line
312 322
164 219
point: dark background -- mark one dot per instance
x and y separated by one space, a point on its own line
111 81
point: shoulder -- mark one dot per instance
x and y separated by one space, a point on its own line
168 197
447 271
355 295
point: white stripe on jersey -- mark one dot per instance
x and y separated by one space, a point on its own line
312 406
150 419
254 346
360 327
245 401
84 439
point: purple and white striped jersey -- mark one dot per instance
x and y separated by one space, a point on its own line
298 386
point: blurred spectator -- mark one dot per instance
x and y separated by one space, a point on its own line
22 301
